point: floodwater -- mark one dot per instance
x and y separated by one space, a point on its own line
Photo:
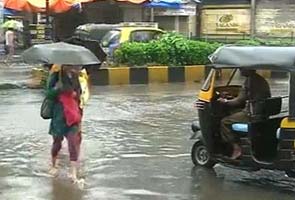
135 146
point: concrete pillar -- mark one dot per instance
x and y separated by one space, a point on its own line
176 18
192 22
152 15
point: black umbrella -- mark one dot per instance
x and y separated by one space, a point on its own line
92 45
60 53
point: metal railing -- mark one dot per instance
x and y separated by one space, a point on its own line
230 38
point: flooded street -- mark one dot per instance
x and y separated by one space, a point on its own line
135 146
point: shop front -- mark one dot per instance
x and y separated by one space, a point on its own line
181 20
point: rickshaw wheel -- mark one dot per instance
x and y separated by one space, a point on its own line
200 155
291 173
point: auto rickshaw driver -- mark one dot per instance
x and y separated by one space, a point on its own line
255 88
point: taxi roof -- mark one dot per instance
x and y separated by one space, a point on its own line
137 28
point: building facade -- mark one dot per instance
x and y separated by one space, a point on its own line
243 18
182 20
275 18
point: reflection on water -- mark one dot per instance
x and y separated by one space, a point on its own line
135 146
234 185
62 190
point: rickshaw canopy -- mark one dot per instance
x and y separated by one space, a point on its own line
254 57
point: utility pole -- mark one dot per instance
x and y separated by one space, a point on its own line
198 19
47 25
47 12
253 18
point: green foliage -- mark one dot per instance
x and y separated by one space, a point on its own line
264 42
173 49
131 54
279 42
249 42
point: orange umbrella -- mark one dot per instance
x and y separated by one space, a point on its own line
56 6
19 5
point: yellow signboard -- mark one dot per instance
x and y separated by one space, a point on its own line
225 21
37 32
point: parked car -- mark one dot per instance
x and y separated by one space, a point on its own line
89 36
128 33
93 31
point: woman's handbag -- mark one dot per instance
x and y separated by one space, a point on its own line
47 108
46 111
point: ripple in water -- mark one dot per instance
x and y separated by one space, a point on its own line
277 180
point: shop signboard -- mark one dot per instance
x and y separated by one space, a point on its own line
226 21
275 18
276 29
276 21
37 32
186 10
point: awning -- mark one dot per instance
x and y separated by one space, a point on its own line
55 6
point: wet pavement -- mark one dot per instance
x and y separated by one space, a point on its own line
135 146
14 75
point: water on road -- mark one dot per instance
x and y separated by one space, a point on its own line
135 146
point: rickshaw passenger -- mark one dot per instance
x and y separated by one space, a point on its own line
255 88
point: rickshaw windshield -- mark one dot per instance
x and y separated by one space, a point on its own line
229 77
207 83
223 77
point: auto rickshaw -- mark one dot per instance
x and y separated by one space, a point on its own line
267 142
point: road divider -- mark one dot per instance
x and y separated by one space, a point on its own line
145 75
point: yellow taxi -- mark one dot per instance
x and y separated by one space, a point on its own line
130 32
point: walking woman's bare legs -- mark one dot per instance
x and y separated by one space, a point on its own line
56 147
74 141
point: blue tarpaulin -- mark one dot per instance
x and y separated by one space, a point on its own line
173 4
9 12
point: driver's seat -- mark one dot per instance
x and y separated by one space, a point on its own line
240 127
270 106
